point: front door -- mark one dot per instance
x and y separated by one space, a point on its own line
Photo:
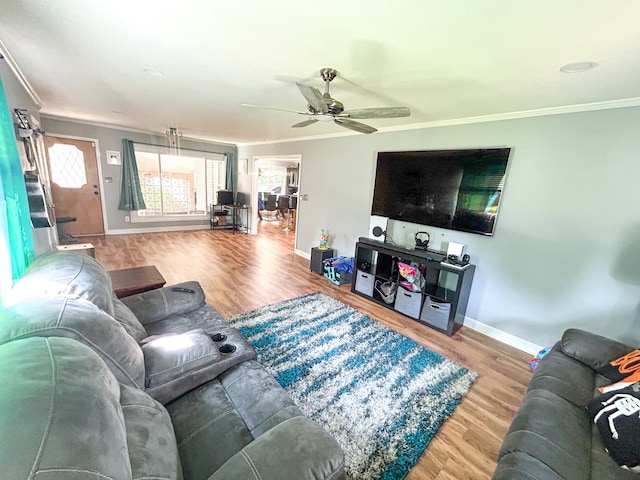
73 171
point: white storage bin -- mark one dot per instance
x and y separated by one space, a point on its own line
435 313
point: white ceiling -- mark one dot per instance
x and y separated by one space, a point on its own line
445 60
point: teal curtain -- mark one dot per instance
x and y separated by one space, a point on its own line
130 193
229 176
16 235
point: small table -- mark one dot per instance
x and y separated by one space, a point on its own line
317 256
130 281
86 248
235 210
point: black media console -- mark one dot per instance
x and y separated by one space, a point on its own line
441 305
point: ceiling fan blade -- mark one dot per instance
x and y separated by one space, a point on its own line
357 126
383 112
272 108
306 123
314 97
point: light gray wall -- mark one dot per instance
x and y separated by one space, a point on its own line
17 97
564 253
111 139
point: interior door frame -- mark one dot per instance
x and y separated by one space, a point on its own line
100 176
259 160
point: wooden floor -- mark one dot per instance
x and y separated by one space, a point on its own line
242 272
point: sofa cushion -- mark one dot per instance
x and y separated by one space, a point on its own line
204 317
208 428
218 419
128 320
617 416
61 416
66 273
258 397
62 316
263 457
153 451
522 466
155 305
564 376
595 351
554 431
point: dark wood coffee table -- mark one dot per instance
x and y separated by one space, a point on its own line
130 281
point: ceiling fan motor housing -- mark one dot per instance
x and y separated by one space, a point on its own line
335 107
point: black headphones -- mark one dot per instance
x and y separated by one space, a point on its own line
420 242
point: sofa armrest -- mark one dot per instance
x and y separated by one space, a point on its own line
593 350
178 363
296 448
155 305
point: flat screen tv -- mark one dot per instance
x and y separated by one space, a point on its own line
225 197
454 189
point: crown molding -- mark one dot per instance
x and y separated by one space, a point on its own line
541 112
20 76
129 129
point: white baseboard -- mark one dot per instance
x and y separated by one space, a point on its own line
176 228
504 337
303 254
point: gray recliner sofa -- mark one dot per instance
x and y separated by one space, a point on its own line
95 387
552 437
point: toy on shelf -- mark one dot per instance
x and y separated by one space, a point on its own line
324 239
413 281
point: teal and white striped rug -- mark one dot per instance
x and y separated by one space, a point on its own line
382 396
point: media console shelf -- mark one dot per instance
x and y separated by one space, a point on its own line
443 303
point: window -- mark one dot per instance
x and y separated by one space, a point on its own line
177 187
271 179
67 166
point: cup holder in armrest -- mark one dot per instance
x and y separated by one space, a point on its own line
227 348
218 337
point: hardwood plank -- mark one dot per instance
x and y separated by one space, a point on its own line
242 272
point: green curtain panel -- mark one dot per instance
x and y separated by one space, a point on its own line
16 235
130 194
229 177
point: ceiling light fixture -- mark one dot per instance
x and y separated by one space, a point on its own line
578 67
173 135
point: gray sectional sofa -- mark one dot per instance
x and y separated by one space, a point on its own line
99 388
552 437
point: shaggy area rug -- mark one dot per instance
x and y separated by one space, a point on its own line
382 396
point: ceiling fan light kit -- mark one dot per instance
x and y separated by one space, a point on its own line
321 107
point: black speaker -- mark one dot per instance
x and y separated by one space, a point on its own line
421 241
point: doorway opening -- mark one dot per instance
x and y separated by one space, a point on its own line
276 181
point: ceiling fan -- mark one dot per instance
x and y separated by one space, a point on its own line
323 108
